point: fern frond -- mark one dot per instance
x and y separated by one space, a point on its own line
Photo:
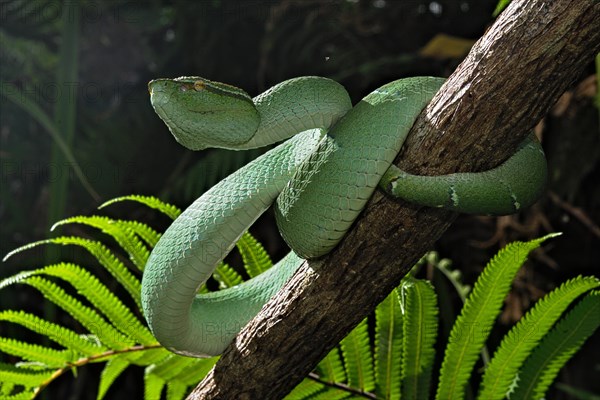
168 209
418 339
148 235
477 316
23 376
34 352
56 333
104 256
331 368
150 356
103 299
358 358
523 337
561 343
306 389
226 276
86 316
153 386
194 373
168 369
113 368
388 347
17 278
27 394
176 390
256 260
137 251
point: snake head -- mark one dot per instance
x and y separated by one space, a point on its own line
202 113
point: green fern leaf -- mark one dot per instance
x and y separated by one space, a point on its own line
86 316
138 253
113 368
168 369
58 334
33 352
336 394
149 356
358 358
306 389
388 347
477 316
256 260
22 376
103 299
168 209
99 251
194 373
153 386
522 338
331 368
418 339
149 235
226 276
176 390
23 395
561 343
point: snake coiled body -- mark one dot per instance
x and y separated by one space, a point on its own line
320 179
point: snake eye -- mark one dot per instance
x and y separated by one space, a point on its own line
199 86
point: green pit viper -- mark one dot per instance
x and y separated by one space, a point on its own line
320 179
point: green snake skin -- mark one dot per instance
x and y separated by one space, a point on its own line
320 179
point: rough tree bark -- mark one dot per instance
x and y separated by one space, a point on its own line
511 77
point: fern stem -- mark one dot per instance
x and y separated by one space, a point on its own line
86 360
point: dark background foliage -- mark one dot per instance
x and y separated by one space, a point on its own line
122 146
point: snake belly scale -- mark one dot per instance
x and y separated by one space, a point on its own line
320 178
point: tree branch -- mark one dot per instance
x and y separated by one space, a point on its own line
511 77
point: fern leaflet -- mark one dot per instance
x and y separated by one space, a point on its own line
520 341
388 347
358 358
168 209
418 339
256 260
477 316
558 347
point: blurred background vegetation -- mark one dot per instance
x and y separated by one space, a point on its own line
77 127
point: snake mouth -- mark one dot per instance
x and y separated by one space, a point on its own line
175 127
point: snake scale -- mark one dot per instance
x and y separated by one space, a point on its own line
319 179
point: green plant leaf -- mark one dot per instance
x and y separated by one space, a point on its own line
419 335
563 341
306 389
149 235
388 347
176 390
168 209
502 4
36 353
153 386
473 325
100 252
226 276
358 358
331 368
523 337
113 368
138 253
256 260
103 299
23 376
57 333
87 316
